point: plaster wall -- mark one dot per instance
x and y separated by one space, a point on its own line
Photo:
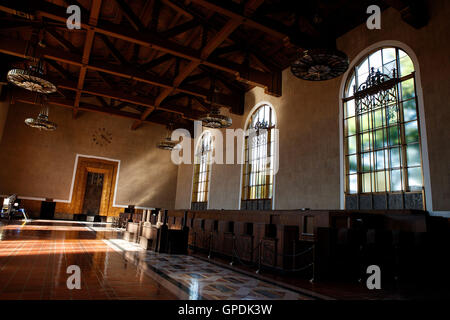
309 122
40 164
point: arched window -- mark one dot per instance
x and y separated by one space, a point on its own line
382 145
202 169
258 168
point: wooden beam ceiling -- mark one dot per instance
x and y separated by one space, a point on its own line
154 41
88 43
233 23
233 11
29 98
18 47
147 56
241 42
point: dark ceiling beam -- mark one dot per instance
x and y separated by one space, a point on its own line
18 47
132 18
232 11
251 6
264 62
227 49
122 105
151 40
252 76
67 45
197 77
232 86
14 25
88 44
180 9
239 42
155 16
215 42
177 30
144 101
107 80
157 61
55 65
66 103
103 101
62 102
205 105
413 12
113 50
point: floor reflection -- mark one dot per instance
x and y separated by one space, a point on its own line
199 279
34 257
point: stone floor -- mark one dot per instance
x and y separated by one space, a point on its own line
34 257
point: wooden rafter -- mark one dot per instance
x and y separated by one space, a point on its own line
173 32
130 15
206 51
63 72
157 61
94 14
17 48
67 45
233 13
240 43
57 13
113 50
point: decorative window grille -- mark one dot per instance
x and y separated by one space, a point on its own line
258 170
382 143
202 169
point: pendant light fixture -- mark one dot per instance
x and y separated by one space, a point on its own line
216 120
167 143
32 76
319 64
42 122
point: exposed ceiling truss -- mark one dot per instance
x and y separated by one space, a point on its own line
164 59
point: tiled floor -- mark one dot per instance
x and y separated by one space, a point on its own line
34 258
199 279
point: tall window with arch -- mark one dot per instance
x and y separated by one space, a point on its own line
202 171
382 145
259 157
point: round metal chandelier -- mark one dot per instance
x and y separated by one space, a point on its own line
319 64
31 78
216 120
42 122
167 143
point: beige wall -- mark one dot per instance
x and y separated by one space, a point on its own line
308 119
432 48
36 163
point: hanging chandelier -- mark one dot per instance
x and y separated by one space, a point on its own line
319 64
167 143
216 120
42 122
31 78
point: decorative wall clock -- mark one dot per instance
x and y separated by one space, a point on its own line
102 137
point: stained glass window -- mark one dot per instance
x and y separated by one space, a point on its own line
258 170
381 126
202 168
